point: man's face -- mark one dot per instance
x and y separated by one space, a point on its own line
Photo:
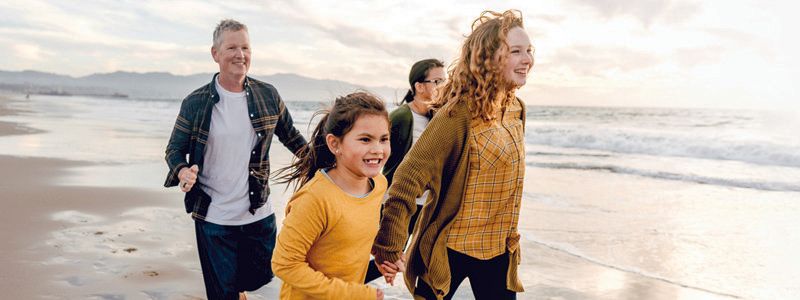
233 54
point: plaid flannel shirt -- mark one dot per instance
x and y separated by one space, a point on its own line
268 115
439 162
490 209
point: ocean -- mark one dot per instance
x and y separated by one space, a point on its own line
619 203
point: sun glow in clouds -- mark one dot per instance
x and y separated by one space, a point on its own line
731 54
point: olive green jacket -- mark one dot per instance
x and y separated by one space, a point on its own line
402 127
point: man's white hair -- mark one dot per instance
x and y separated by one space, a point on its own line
226 25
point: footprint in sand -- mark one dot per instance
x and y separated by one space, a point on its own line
148 273
76 217
75 281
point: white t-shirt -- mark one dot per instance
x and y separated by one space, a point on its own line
231 137
420 122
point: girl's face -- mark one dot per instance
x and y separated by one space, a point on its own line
519 57
427 88
363 151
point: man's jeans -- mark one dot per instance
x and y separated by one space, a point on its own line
235 258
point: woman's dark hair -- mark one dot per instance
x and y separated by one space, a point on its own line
419 71
338 120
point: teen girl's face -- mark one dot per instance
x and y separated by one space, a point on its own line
519 57
427 90
363 151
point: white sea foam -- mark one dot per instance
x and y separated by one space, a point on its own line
666 143
739 135
686 177
575 252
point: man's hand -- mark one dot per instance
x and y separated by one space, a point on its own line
188 177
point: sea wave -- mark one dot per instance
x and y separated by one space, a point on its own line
577 253
660 143
758 185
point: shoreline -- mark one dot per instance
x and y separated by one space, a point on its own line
47 218
84 224
60 240
12 128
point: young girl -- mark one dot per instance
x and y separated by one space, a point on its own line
472 159
331 221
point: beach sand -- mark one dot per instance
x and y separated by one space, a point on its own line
67 240
116 243
99 230
78 242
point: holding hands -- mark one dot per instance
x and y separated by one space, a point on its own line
390 270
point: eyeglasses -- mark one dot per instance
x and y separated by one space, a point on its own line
435 81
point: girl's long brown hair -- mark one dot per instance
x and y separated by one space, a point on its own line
476 76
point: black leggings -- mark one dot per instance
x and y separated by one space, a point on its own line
487 277
372 270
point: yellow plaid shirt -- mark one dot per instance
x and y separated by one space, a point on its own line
490 211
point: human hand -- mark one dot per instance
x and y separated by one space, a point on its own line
390 270
188 177
380 294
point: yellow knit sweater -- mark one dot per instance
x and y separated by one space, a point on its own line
323 249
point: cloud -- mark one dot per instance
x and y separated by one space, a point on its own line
599 61
698 56
363 43
585 49
362 35
555 19
645 11
194 14
29 52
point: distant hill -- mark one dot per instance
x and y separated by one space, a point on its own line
162 85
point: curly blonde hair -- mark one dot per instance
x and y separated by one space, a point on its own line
476 76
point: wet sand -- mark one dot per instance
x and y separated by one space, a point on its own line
76 242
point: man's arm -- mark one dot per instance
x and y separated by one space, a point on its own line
285 130
178 145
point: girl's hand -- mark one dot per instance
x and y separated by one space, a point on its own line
380 294
390 270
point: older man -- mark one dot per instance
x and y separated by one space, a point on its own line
226 128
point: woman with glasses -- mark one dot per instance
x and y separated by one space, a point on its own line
472 159
407 124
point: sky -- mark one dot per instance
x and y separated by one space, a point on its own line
655 53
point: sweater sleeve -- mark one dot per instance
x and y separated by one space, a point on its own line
421 169
306 220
